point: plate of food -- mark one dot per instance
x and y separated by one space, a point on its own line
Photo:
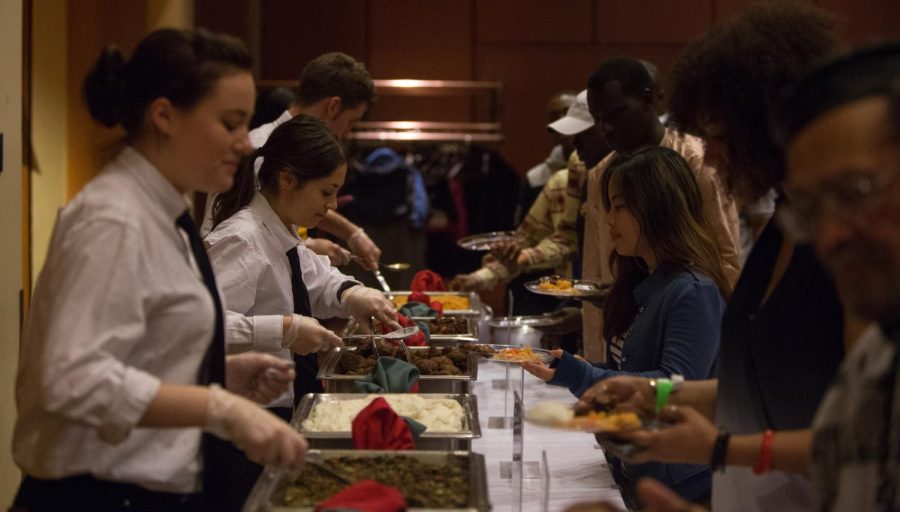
561 287
563 416
509 353
488 241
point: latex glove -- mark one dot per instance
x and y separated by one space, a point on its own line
365 248
365 303
634 392
257 376
656 497
263 437
323 247
305 335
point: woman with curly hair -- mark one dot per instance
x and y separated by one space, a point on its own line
783 330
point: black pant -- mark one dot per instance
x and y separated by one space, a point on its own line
242 473
89 494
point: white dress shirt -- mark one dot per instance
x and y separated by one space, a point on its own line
249 255
118 309
258 137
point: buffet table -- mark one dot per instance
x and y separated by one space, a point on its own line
578 469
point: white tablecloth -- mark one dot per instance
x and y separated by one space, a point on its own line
578 469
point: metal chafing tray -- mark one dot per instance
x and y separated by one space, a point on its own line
339 383
354 331
470 334
429 440
476 308
267 493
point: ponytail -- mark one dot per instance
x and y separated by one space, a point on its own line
104 87
181 65
241 193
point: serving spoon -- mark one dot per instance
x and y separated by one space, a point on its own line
396 267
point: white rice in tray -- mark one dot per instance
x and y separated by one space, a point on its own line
437 414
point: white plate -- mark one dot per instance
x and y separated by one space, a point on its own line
487 241
562 422
543 354
580 288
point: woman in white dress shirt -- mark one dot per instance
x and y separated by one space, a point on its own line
254 241
123 350
273 285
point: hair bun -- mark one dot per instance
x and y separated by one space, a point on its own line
104 87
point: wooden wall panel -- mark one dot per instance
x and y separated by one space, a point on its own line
297 31
415 39
864 22
533 47
650 21
529 80
531 21
425 40
229 16
93 24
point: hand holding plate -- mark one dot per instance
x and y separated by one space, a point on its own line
689 438
634 392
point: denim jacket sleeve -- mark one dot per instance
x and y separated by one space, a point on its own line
689 344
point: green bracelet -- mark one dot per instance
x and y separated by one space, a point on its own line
663 390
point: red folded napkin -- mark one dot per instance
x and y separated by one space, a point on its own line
427 281
365 495
416 340
378 427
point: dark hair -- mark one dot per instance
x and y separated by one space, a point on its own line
270 105
336 74
631 73
303 146
869 71
181 65
659 189
734 73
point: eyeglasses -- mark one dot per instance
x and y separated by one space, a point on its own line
850 194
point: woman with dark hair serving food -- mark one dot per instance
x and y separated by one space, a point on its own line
123 354
274 286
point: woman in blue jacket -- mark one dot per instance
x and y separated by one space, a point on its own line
663 312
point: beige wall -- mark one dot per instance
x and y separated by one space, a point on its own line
10 232
48 110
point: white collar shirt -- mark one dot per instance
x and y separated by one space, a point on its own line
118 309
249 255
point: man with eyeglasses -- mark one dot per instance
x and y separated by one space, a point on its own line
842 142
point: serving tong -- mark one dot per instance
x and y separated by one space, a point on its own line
316 460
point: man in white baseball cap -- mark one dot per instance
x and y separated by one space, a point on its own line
549 230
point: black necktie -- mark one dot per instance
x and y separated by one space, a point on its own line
212 369
307 366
